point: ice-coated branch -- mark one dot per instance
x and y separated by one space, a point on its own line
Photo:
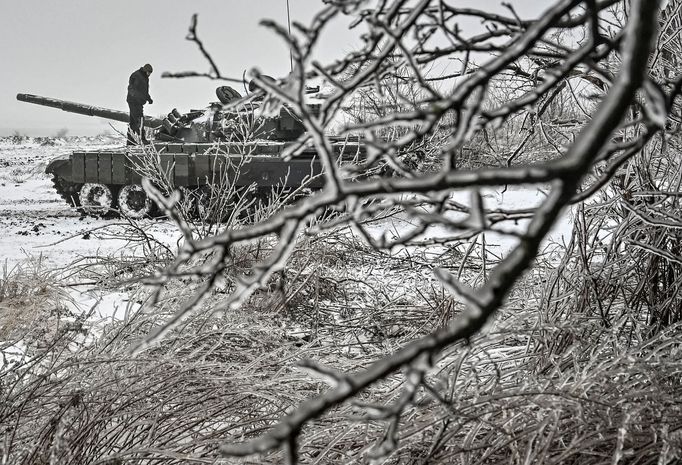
574 165
214 73
338 190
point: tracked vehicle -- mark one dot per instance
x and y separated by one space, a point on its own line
192 150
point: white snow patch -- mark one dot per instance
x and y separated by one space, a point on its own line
12 354
498 243
36 221
102 307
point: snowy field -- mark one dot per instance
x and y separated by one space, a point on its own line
36 223
38 230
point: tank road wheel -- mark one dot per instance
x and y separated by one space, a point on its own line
133 202
96 199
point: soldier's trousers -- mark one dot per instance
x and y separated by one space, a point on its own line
135 134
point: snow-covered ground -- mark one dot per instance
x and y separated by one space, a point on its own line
36 222
497 242
37 225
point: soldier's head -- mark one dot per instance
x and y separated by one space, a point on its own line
148 69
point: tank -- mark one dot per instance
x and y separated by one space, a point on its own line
194 151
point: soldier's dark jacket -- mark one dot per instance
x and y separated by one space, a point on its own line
138 88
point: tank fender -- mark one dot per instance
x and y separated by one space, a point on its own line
60 167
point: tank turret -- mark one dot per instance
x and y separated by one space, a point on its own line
220 121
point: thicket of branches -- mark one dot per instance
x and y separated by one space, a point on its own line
605 44
421 347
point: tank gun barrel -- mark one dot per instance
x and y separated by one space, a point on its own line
81 109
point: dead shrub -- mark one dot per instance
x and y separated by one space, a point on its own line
29 296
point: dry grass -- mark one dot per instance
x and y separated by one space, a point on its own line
29 298
217 377
512 395
506 398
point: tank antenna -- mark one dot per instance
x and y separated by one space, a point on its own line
291 56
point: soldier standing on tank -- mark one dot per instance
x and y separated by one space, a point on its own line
138 95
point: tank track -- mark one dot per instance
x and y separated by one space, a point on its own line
67 191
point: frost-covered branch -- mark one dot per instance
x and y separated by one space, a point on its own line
590 141
506 116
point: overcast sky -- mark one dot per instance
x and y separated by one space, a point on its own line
84 51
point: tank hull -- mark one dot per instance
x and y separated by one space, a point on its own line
260 164
193 165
